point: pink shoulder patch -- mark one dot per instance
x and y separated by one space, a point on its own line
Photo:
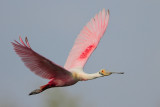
86 52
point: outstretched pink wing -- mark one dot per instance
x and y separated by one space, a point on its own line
37 63
87 40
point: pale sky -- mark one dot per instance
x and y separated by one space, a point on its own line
131 44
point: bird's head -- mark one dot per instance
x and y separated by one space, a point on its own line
104 72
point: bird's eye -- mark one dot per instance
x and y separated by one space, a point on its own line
102 71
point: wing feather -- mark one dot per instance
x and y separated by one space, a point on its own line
87 40
37 63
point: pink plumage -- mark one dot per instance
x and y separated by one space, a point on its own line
84 45
87 40
37 63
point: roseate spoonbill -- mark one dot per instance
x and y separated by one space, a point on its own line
72 72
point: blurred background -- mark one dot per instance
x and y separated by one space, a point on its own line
131 44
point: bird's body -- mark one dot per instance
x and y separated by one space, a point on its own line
72 72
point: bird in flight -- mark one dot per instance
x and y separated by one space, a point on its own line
72 72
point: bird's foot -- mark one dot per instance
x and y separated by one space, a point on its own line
42 88
37 91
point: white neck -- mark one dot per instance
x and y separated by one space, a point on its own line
85 76
79 74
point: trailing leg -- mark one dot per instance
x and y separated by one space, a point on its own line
42 88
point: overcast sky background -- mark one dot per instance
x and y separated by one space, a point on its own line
131 44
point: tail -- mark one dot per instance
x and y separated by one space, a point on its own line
42 88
